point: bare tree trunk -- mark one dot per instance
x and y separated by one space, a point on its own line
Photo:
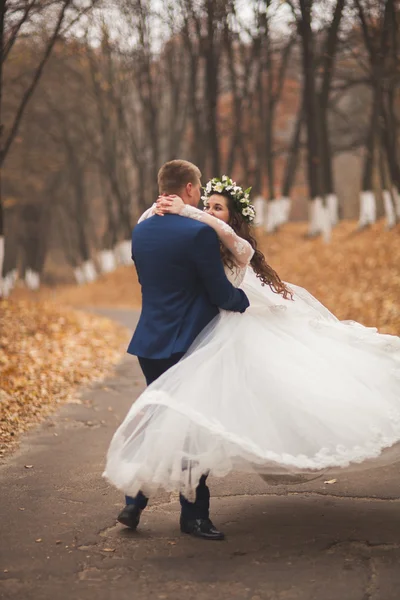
390 125
110 133
377 42
328 63
2 246
32 86
7 140
318 215
278 208
292 158
310 100
35 220
198 148
211 55
237 138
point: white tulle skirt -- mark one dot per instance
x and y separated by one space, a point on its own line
285 390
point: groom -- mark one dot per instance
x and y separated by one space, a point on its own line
183 285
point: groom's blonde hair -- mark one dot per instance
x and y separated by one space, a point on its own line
175 175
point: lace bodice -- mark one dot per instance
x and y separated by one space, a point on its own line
241 250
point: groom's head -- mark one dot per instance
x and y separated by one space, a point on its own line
182 178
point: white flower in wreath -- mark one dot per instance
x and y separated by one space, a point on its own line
247 212
224 178
243 201
219 187
209 187
228 188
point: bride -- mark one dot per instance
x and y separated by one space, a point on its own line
285 389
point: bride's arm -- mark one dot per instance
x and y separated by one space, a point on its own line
240 248
147 213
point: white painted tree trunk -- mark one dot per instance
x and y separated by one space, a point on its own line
396 200
32 280
79 276
333 208
123 252
85 273
367 209
389 209
107 261
89 271
286 205
319 219
277 213
259 205
271 220
7 283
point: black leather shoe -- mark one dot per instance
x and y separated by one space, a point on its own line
202 528
130 516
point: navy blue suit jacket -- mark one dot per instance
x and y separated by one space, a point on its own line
183 284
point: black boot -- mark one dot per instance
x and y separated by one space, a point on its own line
202 528
130 516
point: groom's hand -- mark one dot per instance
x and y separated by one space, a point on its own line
169 205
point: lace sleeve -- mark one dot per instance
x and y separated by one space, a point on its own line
147 213
240 248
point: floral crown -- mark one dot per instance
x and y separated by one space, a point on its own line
240 197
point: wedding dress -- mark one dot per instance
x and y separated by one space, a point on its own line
285 390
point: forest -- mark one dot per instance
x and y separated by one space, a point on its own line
298 99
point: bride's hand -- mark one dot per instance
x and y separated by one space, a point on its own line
171 205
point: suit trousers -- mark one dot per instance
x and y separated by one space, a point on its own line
199 509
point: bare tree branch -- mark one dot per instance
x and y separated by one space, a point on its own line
31 88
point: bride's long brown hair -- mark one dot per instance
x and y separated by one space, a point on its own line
264 272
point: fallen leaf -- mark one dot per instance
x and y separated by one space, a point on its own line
38 540
47 350
331 481
108 549
28 466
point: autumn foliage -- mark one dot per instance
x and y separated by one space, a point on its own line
45 352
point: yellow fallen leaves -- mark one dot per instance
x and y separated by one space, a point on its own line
45 352
356 276
120 288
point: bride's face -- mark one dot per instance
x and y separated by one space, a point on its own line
218 207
